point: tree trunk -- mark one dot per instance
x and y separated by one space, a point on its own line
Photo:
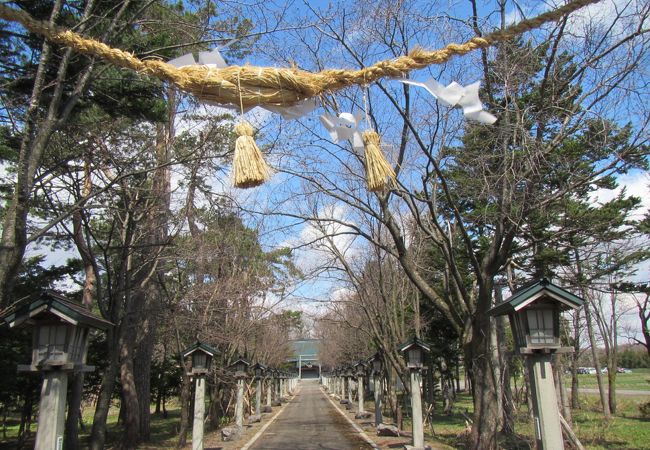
575 394
508 426
604 401
98 432
130 405
560 389
486 411
479 357
74 411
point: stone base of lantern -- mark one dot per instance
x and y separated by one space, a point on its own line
267 409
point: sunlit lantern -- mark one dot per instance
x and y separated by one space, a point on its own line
415 351
534 313
60 333
202 355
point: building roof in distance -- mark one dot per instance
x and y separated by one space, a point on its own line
305 350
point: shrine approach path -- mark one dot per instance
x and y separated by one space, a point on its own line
310 422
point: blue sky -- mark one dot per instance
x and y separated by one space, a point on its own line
276 196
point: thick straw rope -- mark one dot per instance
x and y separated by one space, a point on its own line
252 86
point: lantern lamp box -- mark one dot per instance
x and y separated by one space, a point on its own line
415 351
375 361
60 330
534 313
202 355
259 370
240 366
360 368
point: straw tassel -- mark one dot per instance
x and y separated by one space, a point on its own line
249 167
379 173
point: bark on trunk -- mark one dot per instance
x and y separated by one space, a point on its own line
508 426
98 432
604 400
74 411
486 411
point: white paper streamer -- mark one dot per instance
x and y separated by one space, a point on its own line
457 95
344 127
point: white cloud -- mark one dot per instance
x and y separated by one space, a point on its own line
602 15
636 183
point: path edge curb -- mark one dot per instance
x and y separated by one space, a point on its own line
354 425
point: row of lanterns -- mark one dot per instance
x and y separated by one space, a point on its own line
61 329
534 312
202 355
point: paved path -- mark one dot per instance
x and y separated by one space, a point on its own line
310 422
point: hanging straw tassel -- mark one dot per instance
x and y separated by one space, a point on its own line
379 174
249 167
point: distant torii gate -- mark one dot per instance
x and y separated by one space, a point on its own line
312 357
306 352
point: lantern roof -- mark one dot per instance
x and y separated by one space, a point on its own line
414 342
540 289
259 366
240 360
360 363
50 303
202 347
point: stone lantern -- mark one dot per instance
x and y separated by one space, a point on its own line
348 373
60 332
202 355
534 313
240 367
268 375
415 351
360 371
376 362
258 372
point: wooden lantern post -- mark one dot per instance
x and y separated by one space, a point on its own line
202 355
534 313
415 352
241 373
60 331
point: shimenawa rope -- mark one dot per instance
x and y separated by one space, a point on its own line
268 85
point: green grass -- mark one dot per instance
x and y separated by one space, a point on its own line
164 431
638 380
627 430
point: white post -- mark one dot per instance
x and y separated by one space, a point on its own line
269 385
360 393
548 430
416 408
239 406
258 397
199 413
300 366
51 412
350 391
378 392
